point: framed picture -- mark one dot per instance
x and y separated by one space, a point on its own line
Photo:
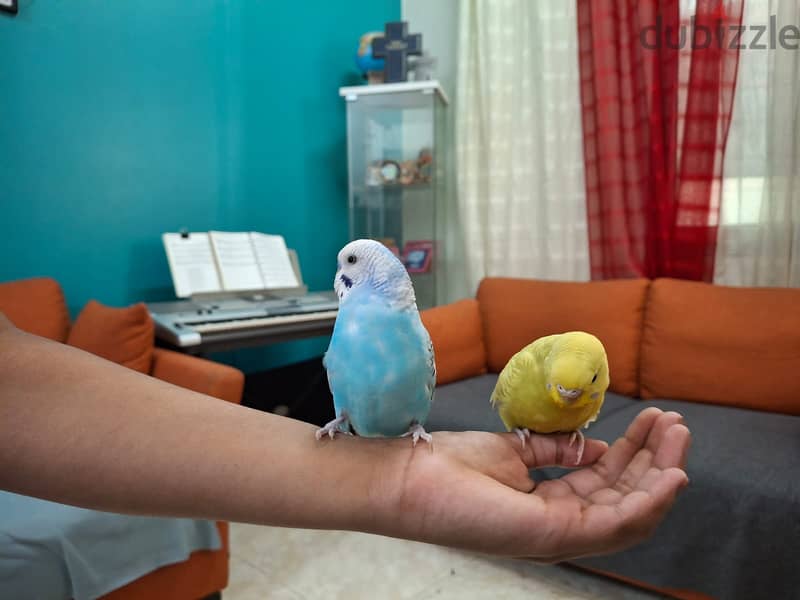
9 6
418 256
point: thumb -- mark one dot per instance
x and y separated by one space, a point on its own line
554 450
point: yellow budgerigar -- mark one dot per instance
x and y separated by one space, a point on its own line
555 384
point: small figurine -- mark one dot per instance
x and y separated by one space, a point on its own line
409 172
422 67
425 165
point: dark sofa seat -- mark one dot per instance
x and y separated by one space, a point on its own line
734 533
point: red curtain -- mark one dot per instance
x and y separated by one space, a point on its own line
657 95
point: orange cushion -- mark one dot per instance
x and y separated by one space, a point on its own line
457 340
722 345
515 312
36 306
122 335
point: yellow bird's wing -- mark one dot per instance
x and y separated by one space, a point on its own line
525 369
518 378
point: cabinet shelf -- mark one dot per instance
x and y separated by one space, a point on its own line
391 187
399 121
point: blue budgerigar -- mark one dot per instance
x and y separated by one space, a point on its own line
380 362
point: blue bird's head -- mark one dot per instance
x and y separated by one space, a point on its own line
367 266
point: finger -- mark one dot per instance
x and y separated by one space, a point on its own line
661 491
662 424
608 526
606 471
631 476
617 521
646 431
645 508
638 513
643 459
644 468
648 479
555 450
674 447
516 476
623 450
605 496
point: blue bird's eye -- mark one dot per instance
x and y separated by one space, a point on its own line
351 259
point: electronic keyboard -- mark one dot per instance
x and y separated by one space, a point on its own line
208 325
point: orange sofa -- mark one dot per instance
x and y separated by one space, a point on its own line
727 358
126 336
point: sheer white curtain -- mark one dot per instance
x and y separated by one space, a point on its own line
759 235
519 141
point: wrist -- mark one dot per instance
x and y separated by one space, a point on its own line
387 487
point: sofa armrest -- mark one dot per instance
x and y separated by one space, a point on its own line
198 374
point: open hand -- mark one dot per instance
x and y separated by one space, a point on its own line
474 492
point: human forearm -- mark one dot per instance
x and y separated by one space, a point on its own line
81 430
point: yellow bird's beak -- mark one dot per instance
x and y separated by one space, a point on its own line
568 395
564 397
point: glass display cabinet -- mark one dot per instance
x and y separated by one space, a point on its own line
397 184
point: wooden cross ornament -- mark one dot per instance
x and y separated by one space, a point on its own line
396 46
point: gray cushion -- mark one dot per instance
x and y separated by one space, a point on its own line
733 533
464 406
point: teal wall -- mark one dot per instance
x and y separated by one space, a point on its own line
121 120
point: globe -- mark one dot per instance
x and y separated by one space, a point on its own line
364 59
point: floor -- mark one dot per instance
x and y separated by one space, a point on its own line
295 564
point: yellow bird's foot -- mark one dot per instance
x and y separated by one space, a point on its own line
523 434
417 431
333 427
581 443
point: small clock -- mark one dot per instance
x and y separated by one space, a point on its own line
9 6
390 171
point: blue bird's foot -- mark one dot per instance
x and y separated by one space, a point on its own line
581 443
523 434
334 427
417 431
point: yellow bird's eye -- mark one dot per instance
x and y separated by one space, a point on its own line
594 378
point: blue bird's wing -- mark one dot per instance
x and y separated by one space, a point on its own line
431 383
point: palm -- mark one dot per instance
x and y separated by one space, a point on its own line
613 503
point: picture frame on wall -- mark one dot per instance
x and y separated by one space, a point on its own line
418 256
9 6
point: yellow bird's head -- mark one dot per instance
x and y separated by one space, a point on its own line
576 370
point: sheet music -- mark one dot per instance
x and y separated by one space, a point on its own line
191 263
273 261
237 261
